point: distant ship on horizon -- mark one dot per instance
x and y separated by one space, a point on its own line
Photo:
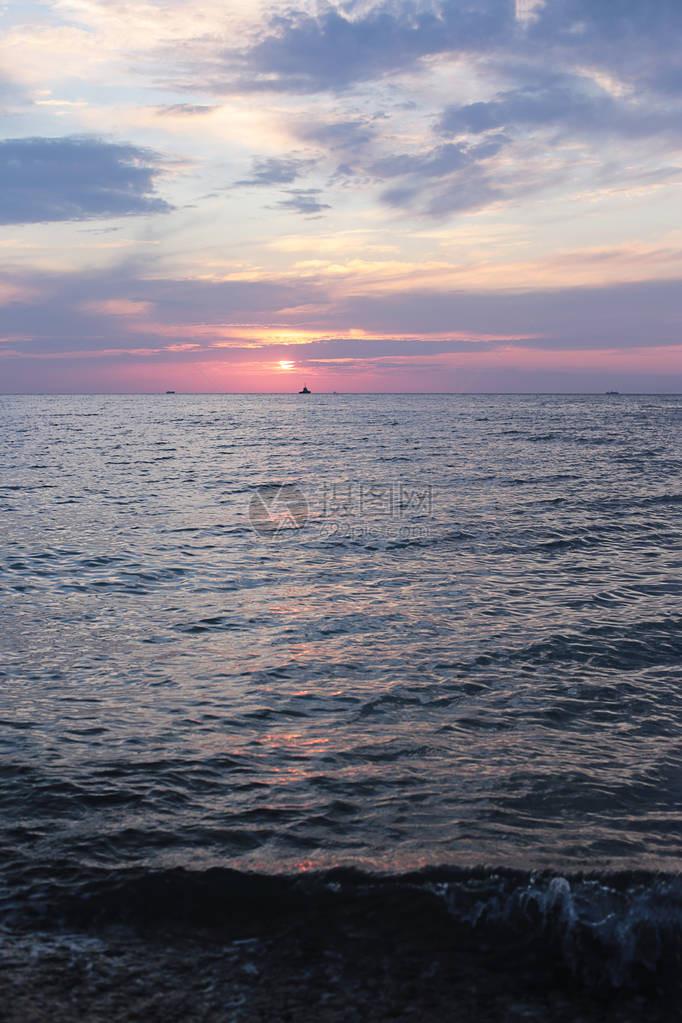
613 392
305 390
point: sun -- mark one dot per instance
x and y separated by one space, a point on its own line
285 364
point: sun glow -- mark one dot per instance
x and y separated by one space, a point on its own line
285 365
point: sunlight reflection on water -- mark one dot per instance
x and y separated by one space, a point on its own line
499 686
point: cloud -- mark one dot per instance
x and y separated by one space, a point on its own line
570 103
88 327
277 171
187 109
75 178
442 179
304 200
377 348
442 160
460 193
615 26
103 308
332 51
634 40
343 46
437 162
623 316
339 135
428 92
12 96
351 141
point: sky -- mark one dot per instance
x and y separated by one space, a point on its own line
360 195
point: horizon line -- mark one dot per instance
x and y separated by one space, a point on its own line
331 394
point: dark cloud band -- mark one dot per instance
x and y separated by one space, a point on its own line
75 178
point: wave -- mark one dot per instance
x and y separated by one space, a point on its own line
609 931
628 647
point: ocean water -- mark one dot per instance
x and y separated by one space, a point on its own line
280 635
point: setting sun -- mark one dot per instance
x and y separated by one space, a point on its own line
285 364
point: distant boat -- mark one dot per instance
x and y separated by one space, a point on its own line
305 390
170 392
613 392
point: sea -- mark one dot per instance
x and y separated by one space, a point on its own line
345 642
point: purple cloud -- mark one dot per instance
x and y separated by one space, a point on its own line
75 178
